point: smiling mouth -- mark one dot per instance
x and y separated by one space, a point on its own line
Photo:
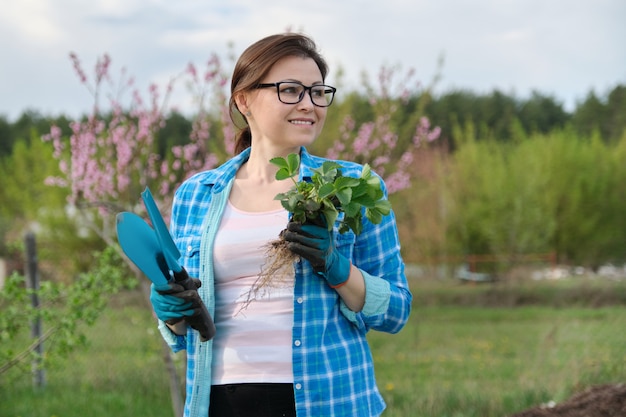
301 122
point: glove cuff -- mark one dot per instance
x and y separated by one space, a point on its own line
334 287
340 274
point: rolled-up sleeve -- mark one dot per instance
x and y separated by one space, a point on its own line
174 341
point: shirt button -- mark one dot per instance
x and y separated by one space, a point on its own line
300 300
298 386
297 343
189 248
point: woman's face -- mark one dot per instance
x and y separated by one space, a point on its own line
280 124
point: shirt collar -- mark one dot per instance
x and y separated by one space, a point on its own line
222 175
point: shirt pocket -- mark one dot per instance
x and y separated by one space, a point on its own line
189 247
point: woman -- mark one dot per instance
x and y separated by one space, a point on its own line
298 348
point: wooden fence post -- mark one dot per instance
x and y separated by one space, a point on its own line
39 379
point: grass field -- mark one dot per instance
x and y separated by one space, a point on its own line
455 358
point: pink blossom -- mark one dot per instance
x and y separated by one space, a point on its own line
191 70
336 150
55 182
165 168
397 181
434 134
360 144
102 68
78 68
55 132
380 161
406 159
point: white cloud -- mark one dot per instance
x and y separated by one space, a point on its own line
30 19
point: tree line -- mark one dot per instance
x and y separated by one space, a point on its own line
496 112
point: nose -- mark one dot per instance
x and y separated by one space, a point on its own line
306 103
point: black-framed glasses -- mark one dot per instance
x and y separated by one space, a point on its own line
292 92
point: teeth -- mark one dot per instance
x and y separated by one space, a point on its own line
301 122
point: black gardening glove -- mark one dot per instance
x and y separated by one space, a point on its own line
179 300
315 243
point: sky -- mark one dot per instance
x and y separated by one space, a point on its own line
560 48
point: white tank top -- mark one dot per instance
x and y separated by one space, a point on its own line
253 339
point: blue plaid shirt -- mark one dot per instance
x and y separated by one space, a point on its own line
332 364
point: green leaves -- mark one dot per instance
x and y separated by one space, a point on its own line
64 309
286 167
330 193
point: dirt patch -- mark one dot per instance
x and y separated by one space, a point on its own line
598 401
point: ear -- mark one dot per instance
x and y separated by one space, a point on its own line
241 101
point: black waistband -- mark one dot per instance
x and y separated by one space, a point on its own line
252 399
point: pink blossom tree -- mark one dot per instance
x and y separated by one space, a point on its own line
377 141
110 157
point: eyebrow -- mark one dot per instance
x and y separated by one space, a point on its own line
291 80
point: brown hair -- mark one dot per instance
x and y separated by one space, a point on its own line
257 60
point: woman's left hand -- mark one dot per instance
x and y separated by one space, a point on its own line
315 243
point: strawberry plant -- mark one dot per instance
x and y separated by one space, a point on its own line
329 193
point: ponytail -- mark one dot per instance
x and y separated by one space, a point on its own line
243 140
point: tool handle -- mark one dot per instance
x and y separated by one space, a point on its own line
202 322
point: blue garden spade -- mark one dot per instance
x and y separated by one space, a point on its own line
154 252
140 244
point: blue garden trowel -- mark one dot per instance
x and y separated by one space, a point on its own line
156 255
140 244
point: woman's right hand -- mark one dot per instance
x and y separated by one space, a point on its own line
172 302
